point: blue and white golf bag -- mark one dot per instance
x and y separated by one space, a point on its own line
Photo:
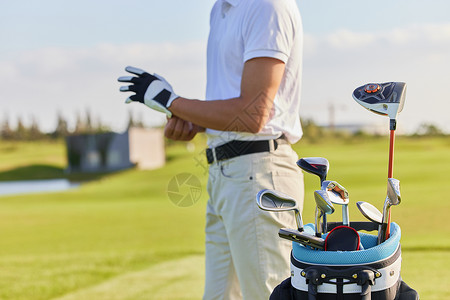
370 273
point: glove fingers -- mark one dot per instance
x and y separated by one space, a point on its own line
135 71
125 88
126 79
129 88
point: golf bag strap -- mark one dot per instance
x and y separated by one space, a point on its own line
362 276
367 226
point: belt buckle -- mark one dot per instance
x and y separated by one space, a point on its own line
213 150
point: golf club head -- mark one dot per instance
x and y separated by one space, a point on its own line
336 192
302 238
271 200
323 202
382 98
393 191
315 165
370 212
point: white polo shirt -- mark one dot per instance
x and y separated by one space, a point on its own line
244 29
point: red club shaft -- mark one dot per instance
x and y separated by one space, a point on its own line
390 175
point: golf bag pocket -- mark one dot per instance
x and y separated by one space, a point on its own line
372 273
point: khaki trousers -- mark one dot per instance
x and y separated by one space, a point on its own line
245 258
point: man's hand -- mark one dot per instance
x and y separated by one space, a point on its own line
152 90
180 130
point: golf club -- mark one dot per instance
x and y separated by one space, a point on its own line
317 166
302 238
338 195
324 206
393 198
385 99
370 212
271 200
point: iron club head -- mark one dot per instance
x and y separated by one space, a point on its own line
370 212
271 200
393 191
337 194
324 206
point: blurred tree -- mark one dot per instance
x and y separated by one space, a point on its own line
21 132
61 129
34 132
6 132
429 130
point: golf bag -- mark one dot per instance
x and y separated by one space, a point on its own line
370 273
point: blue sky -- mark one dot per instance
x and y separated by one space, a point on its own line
61 56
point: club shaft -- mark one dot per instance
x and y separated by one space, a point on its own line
391 154
390 175
382 229
345 215
318 215
388 225
298 219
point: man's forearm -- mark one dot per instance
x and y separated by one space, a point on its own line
236 114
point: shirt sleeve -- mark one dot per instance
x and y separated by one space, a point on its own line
269 30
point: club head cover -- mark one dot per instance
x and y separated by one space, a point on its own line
342 238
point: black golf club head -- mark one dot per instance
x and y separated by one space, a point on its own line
382 98
315 165
302 238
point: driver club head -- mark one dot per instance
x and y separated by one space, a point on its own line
315 165
270 200
370 212
382 98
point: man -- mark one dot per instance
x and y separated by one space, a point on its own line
251 115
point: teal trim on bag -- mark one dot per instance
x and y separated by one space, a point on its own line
371 253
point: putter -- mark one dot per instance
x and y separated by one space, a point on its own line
370 212
385 99
318 166
302 238
271 200
338 195
393 198
324 206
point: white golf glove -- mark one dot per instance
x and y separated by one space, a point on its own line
152 90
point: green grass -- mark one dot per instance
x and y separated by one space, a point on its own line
120 237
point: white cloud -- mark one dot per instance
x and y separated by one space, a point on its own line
48 80
69 80
335 64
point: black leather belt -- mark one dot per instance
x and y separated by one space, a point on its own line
238 148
